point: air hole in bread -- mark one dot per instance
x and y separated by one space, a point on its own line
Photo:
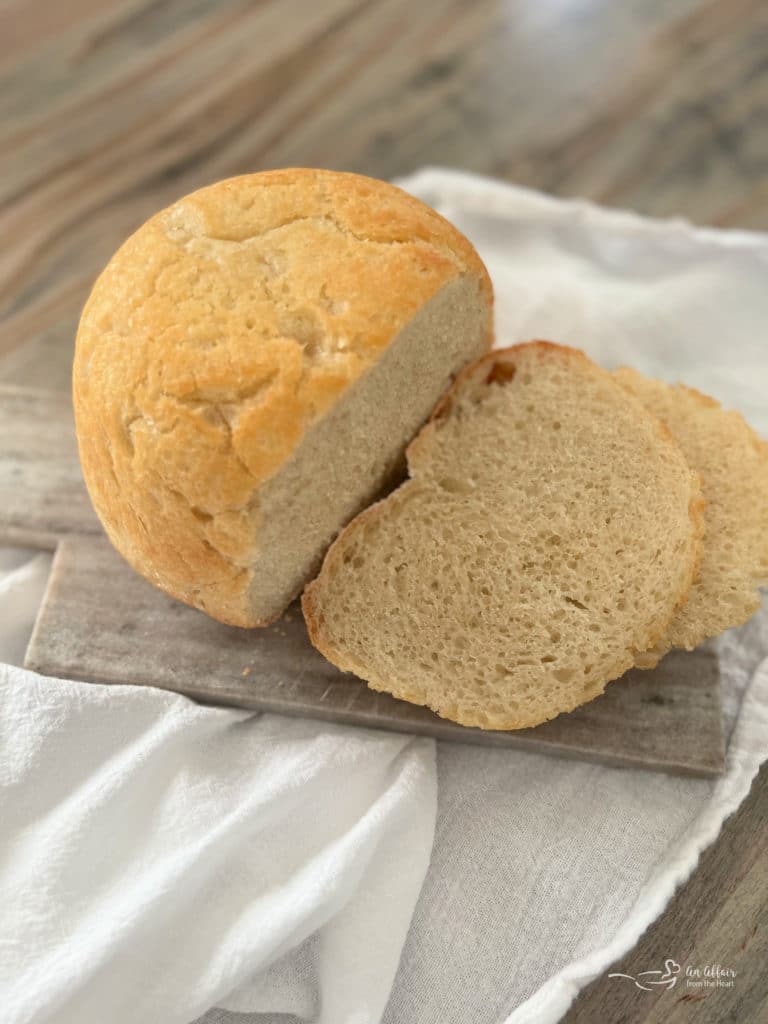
455 486
501 372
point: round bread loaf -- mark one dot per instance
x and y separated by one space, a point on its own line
249 368
548 532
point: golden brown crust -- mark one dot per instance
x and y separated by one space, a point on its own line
217 335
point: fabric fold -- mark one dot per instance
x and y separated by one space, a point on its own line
159 856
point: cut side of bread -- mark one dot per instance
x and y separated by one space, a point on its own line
249 368
733 464
548 532
357 450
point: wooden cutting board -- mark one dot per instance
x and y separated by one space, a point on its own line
101 622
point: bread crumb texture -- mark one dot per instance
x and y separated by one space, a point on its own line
217 335
548 532
733 464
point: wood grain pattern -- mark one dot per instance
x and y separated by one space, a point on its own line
101 621
108 110
719 917
42 494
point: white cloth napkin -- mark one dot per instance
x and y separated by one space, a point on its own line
160 858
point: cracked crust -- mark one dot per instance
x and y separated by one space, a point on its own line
217 335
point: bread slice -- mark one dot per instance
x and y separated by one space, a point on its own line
548 532
250 367
733 464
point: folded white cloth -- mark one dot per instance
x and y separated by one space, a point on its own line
160 858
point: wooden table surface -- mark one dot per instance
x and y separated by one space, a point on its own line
110 109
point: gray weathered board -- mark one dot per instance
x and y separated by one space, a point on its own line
101 622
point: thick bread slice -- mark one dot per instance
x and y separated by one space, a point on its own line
549 531
250 367
733 464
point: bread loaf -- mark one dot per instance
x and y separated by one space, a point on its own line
548 532
249 368
733 464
